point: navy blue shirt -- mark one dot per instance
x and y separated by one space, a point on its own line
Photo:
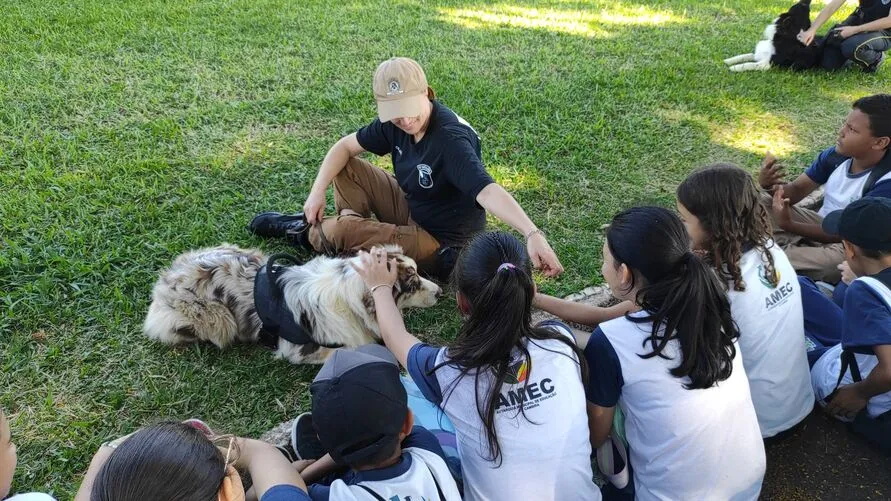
874 9
285 493
441 175
828 160
604 371
867 317
419 437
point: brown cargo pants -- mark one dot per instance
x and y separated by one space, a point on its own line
369 191
816 260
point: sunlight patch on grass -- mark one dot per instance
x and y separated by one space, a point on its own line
575 22
513 178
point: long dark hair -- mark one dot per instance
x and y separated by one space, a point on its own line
494 274
170 461
681 295
728 205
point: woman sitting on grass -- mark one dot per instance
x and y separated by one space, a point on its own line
673 368
721 208
513 392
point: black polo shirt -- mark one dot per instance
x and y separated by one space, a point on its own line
441 175
874 9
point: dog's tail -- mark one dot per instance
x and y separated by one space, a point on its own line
186 320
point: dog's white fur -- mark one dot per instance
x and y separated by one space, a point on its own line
208 295
760 59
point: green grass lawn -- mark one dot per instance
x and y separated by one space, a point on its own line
132 131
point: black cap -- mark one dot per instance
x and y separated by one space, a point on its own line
358 403
865 223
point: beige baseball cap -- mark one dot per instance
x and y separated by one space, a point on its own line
400 89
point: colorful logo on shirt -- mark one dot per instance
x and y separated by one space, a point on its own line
762 276
517 372
425 176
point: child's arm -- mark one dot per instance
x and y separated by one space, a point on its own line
318 469
267 466
380 276
851 399
782 212
579 313
86 487
600 422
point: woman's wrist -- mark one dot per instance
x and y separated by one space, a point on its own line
382 286
533 232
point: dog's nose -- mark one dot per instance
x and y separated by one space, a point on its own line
438 293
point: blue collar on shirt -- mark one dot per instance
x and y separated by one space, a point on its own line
380 474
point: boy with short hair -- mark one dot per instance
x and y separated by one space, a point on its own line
858 165
853 378
360 413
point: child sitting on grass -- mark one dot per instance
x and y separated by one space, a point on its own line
8 461
721 208
513 392
180 462
853 378
858 165
674 368
360 415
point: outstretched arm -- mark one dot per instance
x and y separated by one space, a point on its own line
580 313
808 36
380 276
502 205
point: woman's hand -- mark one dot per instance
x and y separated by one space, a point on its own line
375 270
807 37
314 207
542 256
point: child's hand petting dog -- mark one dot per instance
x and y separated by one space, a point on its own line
376 271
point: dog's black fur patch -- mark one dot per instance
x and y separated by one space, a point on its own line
789 51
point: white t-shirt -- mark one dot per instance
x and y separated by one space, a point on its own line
771 339
842 188
415 483
701 444
867 323
31 496
545 455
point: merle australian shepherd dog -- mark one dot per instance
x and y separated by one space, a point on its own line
222 294
781 46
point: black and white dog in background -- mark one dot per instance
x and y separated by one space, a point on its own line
781 46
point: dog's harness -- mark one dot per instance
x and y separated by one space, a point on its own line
276 317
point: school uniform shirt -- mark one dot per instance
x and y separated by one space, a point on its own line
874 9
866 319
771 341
285 493
540 419
421 473
682 444
441 175
840 186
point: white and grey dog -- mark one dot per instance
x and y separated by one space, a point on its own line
209 295
781 46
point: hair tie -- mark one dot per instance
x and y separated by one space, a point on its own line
505 266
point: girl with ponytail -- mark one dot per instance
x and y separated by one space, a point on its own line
513 391
673 367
